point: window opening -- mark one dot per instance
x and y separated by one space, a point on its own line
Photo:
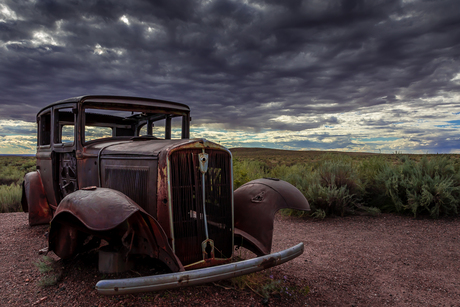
45 129
64 131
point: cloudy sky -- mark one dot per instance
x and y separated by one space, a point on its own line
350 75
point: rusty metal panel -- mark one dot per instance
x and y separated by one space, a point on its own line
87 165
143 148
34 200
135 178
131 181
47 173
98 208
256 203
110 215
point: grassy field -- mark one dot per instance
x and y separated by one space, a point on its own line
273 157
338 183
12 171
335 183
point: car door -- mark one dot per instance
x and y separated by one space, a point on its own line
66 177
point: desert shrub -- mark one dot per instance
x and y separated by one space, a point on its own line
12 171
10 198
302 176
340 172
374 190
331 200
434 196
338 189
389 182
319 214
10 174
337 184
431 186
45 265
246 170
50 275
13 168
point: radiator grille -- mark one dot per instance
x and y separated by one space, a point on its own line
133 182
187 203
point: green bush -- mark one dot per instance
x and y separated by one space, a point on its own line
341 172
302 176
431 186
246 170
338 184
338 189
332 200
374 192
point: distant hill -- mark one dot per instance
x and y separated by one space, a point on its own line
243 152
289 157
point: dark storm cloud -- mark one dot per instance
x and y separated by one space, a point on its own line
240 65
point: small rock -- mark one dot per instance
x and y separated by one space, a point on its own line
40 300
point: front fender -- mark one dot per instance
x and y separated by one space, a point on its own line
34 200
110 215
256 204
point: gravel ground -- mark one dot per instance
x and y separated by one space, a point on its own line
353 261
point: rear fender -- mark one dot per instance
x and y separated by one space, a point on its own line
256 204
112 216
34 200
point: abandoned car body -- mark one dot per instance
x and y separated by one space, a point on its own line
122 173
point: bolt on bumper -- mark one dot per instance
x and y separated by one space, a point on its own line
197 277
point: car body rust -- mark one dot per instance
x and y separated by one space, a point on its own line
123 172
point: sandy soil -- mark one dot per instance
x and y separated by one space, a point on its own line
353 261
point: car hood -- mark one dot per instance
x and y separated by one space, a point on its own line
148 147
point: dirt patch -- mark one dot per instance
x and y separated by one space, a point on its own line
352 261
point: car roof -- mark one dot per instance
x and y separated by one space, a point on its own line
121 100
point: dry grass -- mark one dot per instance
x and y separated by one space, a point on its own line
339 183
12 171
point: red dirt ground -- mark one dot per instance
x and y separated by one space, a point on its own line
353 261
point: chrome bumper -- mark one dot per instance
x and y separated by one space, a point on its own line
197 277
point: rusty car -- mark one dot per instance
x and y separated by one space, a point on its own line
122 176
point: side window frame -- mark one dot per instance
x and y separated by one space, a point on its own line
44 136
58 126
